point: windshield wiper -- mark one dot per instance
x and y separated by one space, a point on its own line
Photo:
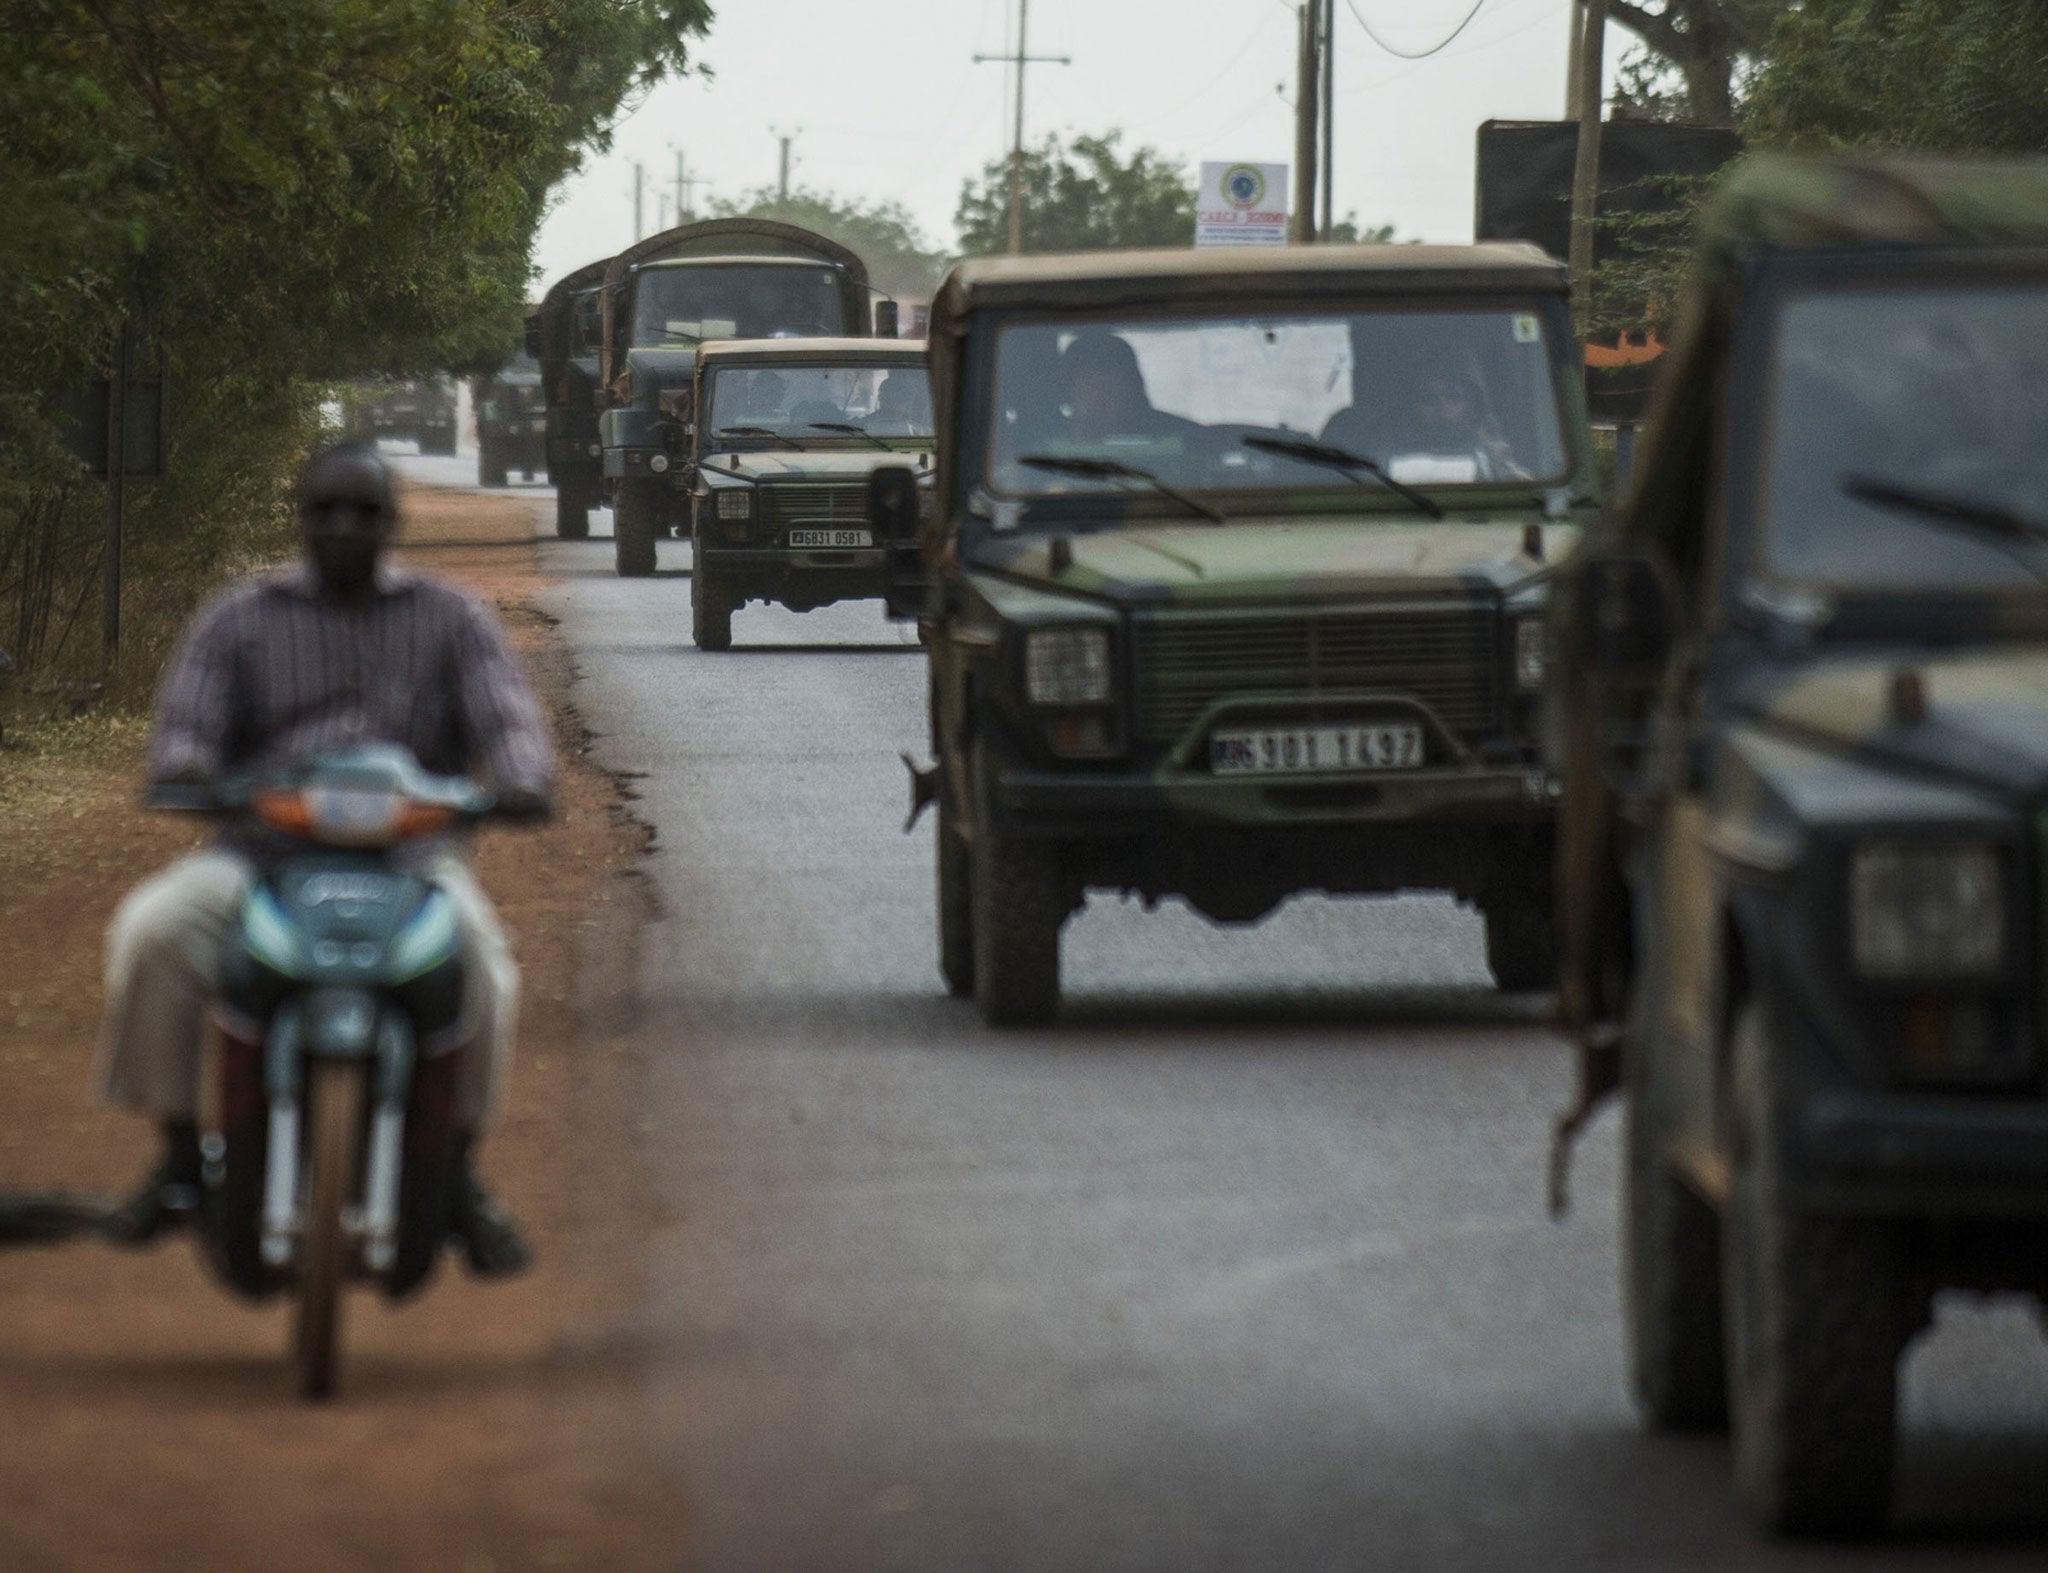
1352 464
1115 470
1988 518
757 431
852 431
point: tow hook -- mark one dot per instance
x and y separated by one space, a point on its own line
924 790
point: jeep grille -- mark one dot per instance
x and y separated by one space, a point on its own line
785 503
1447 657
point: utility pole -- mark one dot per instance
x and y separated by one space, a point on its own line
1020 60
685 183
782 184
1301 228
1329 116
639 187
1571 81
117 456
1586 168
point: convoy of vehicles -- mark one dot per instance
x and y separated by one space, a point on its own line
1232 579
664 296
511 422
773 449
1807 755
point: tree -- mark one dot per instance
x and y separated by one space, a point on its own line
282 191
1086 196
900 260
1706 42
1951 76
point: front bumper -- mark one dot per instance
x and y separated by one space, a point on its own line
1898 1155
1033 801
806 575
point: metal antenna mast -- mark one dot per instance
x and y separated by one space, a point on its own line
1020 60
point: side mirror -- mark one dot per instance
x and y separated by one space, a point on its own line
533 336
1623 613
886 325
893 507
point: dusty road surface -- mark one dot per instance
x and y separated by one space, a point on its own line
1241 1265
146 1418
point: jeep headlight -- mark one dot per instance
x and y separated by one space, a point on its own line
1926 911
1532 654
1067 666
735 502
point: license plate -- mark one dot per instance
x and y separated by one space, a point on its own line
840 538
1283 750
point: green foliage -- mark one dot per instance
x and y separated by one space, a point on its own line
1694 55
1083 196
284 192
900 260
1952 76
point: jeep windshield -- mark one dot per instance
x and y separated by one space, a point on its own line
1908 439
1442 397
683 303
803 403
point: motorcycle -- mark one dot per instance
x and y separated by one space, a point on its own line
337 1155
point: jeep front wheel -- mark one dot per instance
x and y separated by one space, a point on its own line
1018 904
1813 1326
633 529
1671 1275
956 895
710 611
572 510
1521 942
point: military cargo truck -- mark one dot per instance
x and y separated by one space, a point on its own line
777 443
407 409
564 337
1805 840
511 421
1232 576
665 295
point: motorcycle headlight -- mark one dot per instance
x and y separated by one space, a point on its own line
1067 666
1532 654
734 503
1926 911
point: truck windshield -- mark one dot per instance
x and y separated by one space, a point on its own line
1908 439
1440 397
688 302
881 400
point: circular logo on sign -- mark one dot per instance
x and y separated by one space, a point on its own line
1243 186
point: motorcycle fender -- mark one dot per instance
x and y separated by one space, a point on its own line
339 1024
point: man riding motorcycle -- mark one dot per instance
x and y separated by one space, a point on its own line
342 650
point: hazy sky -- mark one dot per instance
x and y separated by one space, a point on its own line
884 100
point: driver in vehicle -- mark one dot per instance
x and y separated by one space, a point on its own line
1106 398
1445 419
342 650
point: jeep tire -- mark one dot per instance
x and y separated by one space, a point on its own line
1017 906
1671 1265
956 897
1814 1329
633 526
711 610
490 467
1521 940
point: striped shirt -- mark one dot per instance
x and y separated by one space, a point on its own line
271 675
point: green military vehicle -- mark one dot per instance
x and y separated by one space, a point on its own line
407 409
1805 835
511 422
564 336
779 438
1232 576
663 296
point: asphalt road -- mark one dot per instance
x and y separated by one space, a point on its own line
1243 1264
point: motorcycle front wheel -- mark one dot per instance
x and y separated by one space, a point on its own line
335 1094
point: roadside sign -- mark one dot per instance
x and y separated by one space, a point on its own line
1242 205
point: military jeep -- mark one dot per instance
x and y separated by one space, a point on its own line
1805 833
665 295
563 336
777 441
1232 576
511 421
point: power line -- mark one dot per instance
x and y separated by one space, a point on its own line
1405 54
